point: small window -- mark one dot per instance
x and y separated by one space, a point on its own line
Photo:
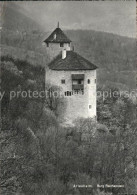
63 81
89 106
95 80
61 44
88 81
68 93
47 44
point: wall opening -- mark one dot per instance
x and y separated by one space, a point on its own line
68 93
63 81
78 83
61 44
88 81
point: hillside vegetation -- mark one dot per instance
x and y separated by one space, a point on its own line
40 156
114 55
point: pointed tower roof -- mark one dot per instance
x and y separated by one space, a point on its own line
57 36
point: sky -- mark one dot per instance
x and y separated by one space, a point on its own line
118 17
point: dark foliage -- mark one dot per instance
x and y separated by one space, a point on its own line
38 156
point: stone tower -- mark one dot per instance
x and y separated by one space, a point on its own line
75 75
57 42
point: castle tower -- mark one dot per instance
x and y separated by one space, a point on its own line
75 76
57 42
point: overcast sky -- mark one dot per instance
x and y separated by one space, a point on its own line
118 17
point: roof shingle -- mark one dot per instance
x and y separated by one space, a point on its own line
73 61
57 36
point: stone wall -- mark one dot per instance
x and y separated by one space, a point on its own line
77 104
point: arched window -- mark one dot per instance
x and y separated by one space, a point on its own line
88 81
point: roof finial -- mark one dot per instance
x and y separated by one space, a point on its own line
58 25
